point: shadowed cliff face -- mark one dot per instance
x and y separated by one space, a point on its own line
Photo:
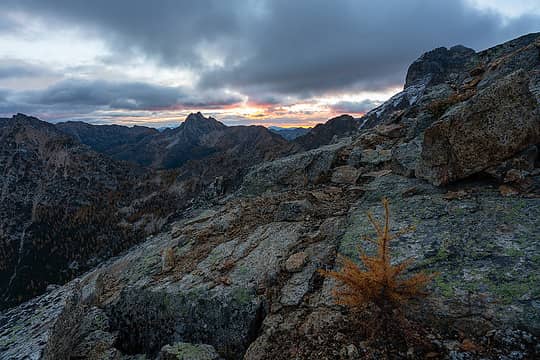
237 277
59 207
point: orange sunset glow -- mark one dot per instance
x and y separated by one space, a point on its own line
296 114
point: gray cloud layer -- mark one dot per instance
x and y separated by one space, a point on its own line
87 96
124 95
270 48
10 69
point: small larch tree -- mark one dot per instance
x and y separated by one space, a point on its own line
379 285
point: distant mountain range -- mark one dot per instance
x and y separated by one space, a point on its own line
196 138
332 130
289 133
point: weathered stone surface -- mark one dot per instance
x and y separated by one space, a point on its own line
481 245
523 161
95 339
376 156
293 210
187 351
226 318
41 326
375 174
355 156
301 282
500 121
345 174
390 130
405 157
293 171
503 59
296 262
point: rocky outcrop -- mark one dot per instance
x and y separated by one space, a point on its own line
436 66
296 170
495 124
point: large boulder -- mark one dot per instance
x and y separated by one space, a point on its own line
492 126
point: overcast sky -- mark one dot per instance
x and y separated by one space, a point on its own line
288 62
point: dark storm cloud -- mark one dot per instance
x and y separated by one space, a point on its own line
354 107
300 48
11 69
166 29
78 96
102 93
316 46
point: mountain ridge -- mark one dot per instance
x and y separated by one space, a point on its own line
170 148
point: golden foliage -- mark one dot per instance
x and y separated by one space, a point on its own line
380 283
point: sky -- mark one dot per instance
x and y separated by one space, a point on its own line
266 62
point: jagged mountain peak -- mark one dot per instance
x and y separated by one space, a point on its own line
196 124
434 66
199 118
22 119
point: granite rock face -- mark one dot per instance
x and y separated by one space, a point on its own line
498 122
